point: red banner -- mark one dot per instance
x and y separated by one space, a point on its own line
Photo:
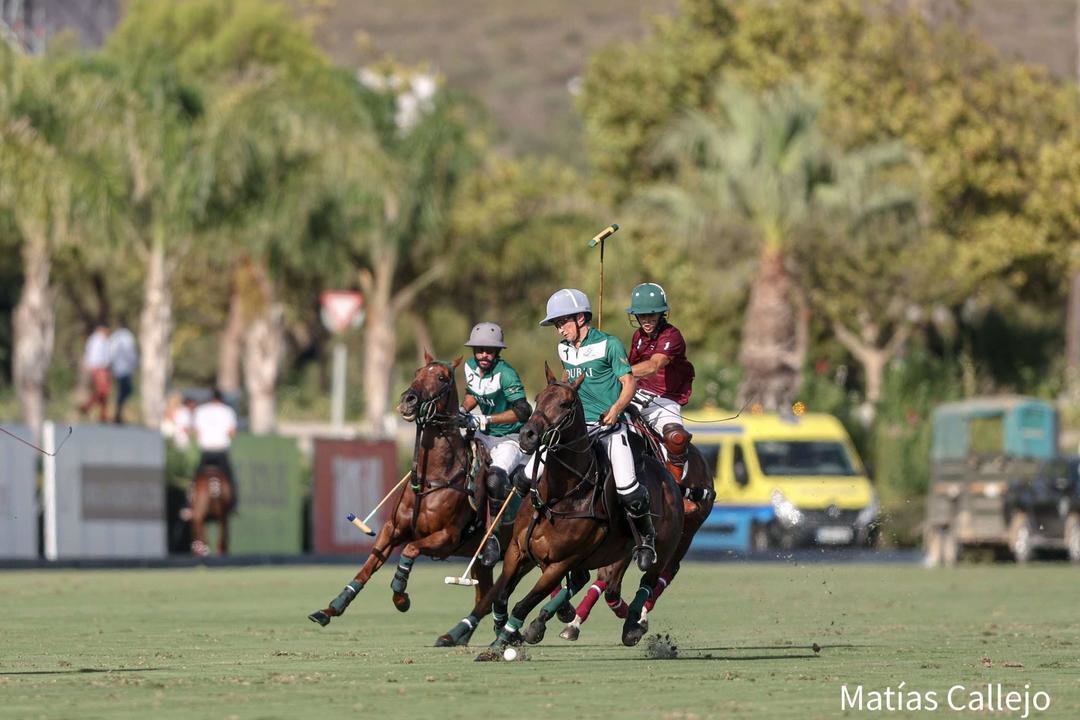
351 476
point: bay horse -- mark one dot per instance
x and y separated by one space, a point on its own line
437 513
576 523
211 497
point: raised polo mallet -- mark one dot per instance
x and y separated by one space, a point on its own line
465 579
600 238
363 524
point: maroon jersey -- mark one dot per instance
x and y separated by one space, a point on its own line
673 381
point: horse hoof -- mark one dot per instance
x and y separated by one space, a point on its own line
319 617
444 641
536 631
566 612
402 602
632 634
570 632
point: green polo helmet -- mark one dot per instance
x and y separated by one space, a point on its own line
647 298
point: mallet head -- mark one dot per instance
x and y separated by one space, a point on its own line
360 524
460 581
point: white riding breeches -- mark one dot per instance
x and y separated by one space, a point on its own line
505 451
617 446
658 412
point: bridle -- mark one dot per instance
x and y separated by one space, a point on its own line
427 412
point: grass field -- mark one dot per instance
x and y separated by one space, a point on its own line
236 643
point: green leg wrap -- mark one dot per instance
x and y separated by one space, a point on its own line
346 596
500 620
638 603
554 603
401 577
464 629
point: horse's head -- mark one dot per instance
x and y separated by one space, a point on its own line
433 391
557 406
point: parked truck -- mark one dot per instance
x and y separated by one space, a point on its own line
978 446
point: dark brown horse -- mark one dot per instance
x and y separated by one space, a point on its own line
436 514
575 522
697 498
211 497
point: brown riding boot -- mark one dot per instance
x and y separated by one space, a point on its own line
676 440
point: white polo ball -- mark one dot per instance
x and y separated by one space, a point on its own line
510 654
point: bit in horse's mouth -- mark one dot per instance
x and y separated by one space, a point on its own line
408 417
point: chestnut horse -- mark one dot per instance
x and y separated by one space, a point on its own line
576 523
211 497
436 514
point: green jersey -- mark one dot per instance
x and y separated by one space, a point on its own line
602 358
496 391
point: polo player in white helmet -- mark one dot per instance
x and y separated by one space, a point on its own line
605 392
496 394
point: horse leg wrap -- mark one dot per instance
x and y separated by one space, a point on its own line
556 600
638 603
661 585
591 596
618 606
401 577
499 616
464 629
346 596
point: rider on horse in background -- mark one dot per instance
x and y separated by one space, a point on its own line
664 375
214 426
494 387
606 390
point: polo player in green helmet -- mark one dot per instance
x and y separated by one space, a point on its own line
495 391
605 392
664 375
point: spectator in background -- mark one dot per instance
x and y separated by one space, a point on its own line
176 423
95 366
123 361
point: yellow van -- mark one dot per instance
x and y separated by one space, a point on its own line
783 482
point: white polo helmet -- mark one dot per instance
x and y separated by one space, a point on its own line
486 334
568 301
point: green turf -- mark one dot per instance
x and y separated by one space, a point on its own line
236 643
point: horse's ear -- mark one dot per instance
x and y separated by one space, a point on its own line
457 362
547 373
577 383
427 357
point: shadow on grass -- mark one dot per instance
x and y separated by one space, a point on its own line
76 671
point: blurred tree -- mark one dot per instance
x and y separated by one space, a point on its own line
49 187
978 122
764 163
175 58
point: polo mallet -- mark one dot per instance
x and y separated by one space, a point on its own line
465 579
362 524
600 238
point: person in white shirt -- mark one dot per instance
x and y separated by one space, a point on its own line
123 361
95 365
214 426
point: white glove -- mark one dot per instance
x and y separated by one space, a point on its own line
482 422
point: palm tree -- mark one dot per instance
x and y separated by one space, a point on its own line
762 163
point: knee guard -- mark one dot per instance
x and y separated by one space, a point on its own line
522 483
676 440
497 483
